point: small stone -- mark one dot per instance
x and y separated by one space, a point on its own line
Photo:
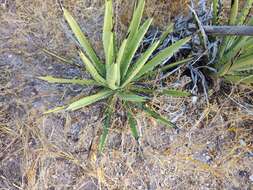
251 178
242 142
194 99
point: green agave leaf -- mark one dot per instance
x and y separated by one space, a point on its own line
231 45
247 51
243 64
110 62
172 65
227 59
234 44
245 12
175 93
133 38
238 44
246 79
83 41
112 76
234 11
51 79
104 135
229 39
133 71
131 97
136 19
133 46
108 36
55 110
119 60
166 32
91 69
157 116
225 44
250 21
133 125
89 100
162 56
215 11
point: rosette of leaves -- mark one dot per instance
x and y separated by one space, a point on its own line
117 77
234 62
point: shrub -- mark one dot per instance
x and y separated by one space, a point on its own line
117 78
234 62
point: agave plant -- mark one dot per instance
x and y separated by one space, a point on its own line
117 76
235 59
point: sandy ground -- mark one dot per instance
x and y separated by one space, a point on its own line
212 150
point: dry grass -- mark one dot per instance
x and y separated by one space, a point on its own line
212 150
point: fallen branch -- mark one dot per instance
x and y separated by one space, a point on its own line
229 30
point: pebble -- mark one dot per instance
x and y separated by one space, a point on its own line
242 142
251 178
194 99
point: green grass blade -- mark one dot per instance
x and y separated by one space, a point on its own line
133 71
133 46
91 69
245 12
175 93
233 12
85 44
136 19
166 32
131 97
89 100
52 80
108 36
133 125
105 132
106 124
157 116
162 56
55 110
